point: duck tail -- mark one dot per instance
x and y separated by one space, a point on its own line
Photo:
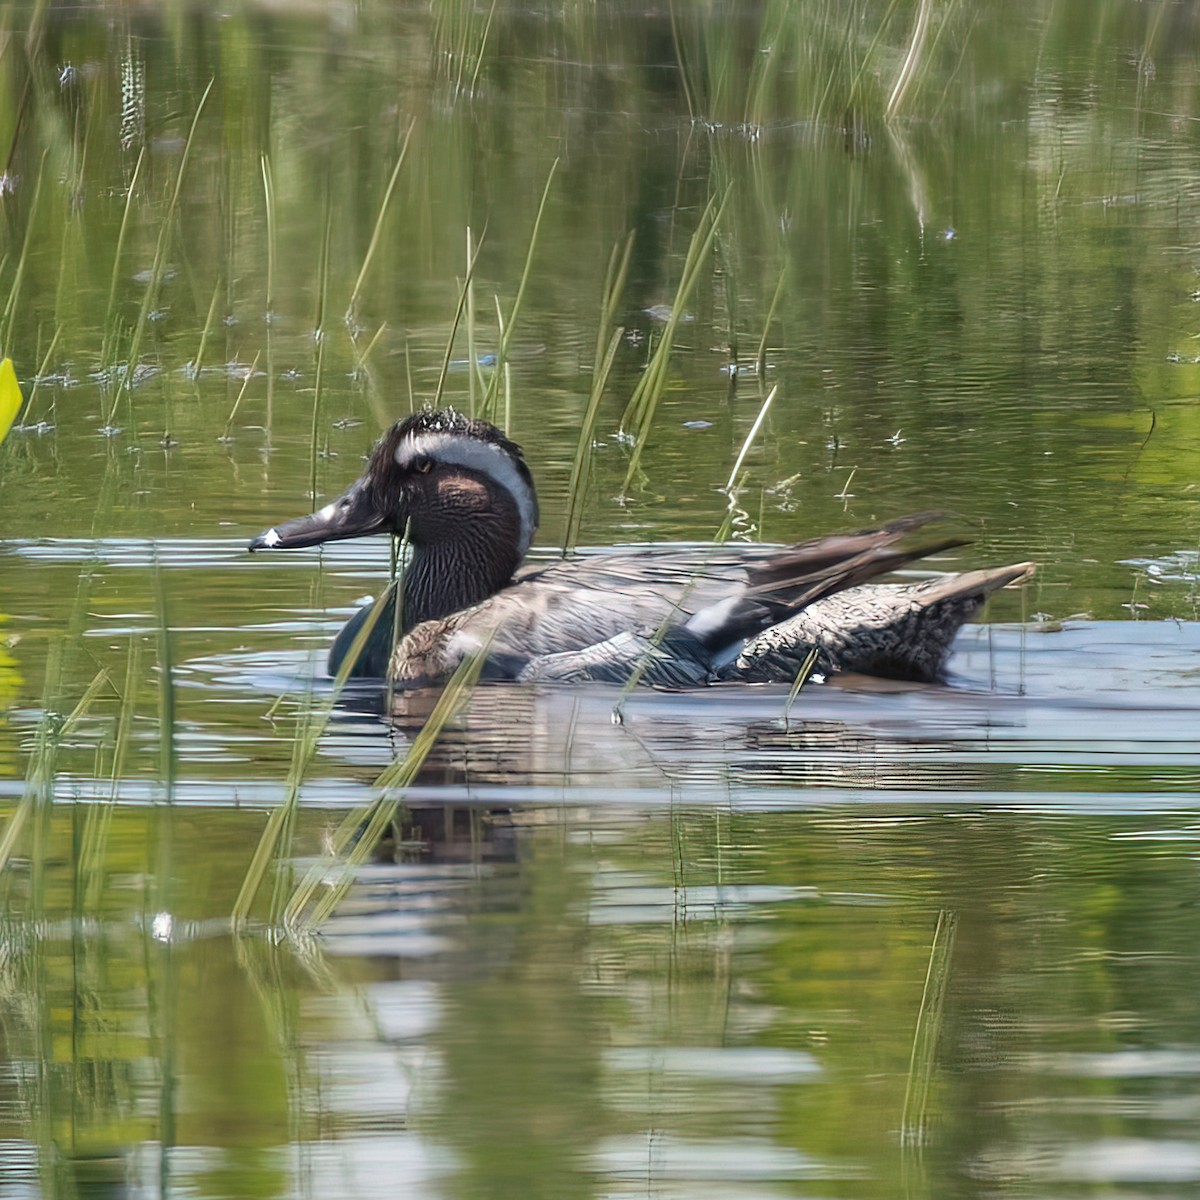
974 585
799 575
823 566
898 631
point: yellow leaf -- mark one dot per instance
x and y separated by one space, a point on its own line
10 397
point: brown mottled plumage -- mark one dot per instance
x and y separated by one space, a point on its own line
901 631
464 497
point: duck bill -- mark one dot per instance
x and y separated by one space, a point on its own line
353 514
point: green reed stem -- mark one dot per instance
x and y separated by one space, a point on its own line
381 406
463 293
474 374
760 358
273 843
109 350
42 369
802 676
377 233
870 53
927 1033
912 60
52 731
614 287
241 392
581 467
680 58
741 458
99 817
269 205
639 412
164 234
483 41
361 362
323 267
14 293
209 321
316 418
362 829
489 402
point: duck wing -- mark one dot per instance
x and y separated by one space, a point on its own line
643 615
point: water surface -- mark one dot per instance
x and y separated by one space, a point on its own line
920 941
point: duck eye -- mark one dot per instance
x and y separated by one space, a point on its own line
424 464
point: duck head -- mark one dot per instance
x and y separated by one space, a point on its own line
457 487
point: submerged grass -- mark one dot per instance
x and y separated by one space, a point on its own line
92 858
52 731
926 1035
355 839
275 842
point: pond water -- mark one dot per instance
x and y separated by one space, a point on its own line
882 940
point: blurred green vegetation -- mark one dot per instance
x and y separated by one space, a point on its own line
232 247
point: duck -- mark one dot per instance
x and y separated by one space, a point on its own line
461 494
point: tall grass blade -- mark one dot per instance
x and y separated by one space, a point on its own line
150 299
685 71
639 412
474 372
206 332
760 359
269 204
99 817
51 733
362 368
377 233
43 368
304 747
241 393
361 830
802 677
614 287
580 468
927 1033
489 403
483 41
14 293
741 458
463 294
108 351
912 60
